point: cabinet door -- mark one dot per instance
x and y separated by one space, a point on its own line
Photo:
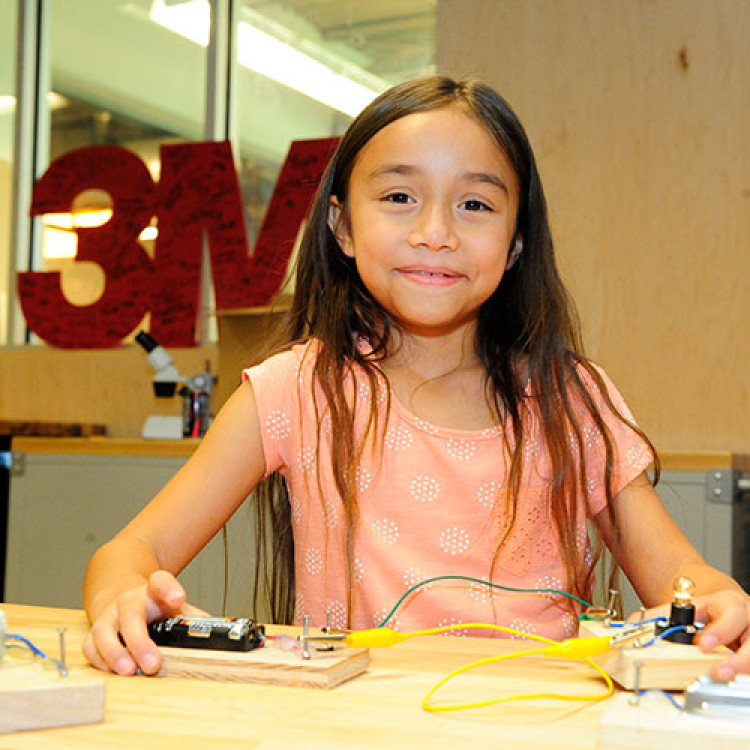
63 507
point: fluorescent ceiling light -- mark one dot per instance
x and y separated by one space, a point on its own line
275 59
59 239
78 219
58 243
54 100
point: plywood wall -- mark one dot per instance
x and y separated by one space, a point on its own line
110 387
639 111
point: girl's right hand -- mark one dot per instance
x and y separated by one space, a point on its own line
118 640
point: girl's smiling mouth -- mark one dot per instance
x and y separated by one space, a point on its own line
430 276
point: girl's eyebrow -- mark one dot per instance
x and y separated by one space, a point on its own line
408 169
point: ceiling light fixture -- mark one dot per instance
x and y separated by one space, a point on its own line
277 60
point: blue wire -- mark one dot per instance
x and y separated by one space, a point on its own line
667 695
635 622
26 642
663 635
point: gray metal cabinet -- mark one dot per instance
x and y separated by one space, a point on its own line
63 507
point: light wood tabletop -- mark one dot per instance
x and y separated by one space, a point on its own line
381 708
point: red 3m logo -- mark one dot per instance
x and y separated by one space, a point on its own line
198 191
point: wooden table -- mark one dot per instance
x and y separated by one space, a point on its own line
380 709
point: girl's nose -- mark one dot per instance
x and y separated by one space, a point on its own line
434 228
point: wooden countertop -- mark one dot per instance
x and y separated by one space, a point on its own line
380 709
104 446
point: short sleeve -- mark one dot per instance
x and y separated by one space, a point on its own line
632 454
274 384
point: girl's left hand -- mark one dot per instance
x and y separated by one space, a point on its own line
727 614
727 617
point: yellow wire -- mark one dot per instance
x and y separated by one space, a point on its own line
503 657
486 626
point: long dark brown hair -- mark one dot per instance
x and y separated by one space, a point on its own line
529 319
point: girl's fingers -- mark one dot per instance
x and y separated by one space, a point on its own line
104 648
91 652
166 595
727 614
134 633
727 618
119 641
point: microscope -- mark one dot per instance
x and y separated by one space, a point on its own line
196 395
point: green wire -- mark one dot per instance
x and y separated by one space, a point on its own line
486 583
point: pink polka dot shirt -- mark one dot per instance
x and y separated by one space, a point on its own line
433 506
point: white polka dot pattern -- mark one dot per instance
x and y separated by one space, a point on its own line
364 479
278 425
549 582
296 506
530 449
413 576
458 632
427 427
336 610
386 531
393 622
480 592
463 450
299 607
639 457
454 541
332 515
591 437
424 489
399 438
522 625
313 561
569 624
487 493
358 570
306 459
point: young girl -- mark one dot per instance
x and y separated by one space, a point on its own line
431 414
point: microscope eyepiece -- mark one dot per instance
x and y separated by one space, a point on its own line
146 341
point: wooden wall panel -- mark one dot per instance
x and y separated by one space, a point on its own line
110 387
639 112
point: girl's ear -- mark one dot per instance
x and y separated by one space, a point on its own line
515 252
337 223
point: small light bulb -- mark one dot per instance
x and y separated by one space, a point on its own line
683 588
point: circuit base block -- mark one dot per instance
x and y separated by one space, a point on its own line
270 666
655 722
664 666
35 696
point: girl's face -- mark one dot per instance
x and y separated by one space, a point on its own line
430 219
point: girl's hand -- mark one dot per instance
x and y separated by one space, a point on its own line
118 640
727 614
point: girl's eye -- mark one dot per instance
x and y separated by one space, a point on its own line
475 205
398 198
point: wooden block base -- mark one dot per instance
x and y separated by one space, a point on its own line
33 696
268 665
655 722
664 666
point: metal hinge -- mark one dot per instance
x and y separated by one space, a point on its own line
17 464
723 485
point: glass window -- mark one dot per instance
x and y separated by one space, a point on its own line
306 67
7 111
133 73
118 78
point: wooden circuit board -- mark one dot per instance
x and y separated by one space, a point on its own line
267 665
664 665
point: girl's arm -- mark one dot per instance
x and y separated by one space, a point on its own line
655 552
130 581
